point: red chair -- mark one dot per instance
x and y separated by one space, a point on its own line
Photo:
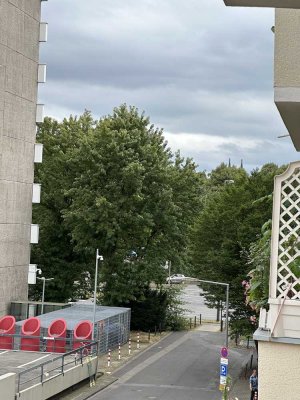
82 331
58 331
31 327
7 327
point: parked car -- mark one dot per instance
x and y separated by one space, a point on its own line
176 278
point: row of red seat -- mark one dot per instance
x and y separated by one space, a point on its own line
31 334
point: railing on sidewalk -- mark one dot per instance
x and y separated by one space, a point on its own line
56 366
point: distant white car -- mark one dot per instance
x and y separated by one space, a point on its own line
176 278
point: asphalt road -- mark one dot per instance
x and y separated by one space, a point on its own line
183 366
194 305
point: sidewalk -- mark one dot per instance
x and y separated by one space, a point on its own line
241 389
208 327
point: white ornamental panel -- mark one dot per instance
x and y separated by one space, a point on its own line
285 254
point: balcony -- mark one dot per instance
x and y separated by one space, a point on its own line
283 318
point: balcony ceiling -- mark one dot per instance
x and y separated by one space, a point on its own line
264 3
287 101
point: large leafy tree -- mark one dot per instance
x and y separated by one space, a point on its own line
112 184
230 221
132 201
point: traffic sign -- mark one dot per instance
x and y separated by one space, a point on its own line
223 380
223 370
224 352
222 387
224 361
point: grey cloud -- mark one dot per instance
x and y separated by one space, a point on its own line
191 51
193 66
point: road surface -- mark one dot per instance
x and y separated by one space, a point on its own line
183 366
194 305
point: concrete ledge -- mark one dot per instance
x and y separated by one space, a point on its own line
287 101
51 387
7 386
265 336
264 3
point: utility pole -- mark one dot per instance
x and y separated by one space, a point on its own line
43 293
98 257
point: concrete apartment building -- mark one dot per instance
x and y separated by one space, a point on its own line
20 72
278 335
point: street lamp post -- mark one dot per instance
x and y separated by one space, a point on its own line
168 267
227 303
98 257
43 293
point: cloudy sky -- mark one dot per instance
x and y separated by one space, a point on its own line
201 71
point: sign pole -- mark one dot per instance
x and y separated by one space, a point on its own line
227 312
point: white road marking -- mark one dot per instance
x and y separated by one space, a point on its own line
31 362
3 352
175 387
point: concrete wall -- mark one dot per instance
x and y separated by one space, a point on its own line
19 54
278 371
8 386
60 383
287 71
287 48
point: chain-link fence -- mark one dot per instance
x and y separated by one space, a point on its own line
112 327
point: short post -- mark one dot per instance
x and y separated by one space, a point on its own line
149 336
190 323
75 358
200 319
155 330
246 371
129 346
248 342
221 325
251 361
195 322
108 358
119 357
138 341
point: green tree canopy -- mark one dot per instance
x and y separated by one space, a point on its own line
112 184
230 221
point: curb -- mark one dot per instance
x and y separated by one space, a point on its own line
134 357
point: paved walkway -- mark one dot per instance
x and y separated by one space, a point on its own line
241 390
209 327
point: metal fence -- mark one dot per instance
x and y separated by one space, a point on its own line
112 326
112 331
56 366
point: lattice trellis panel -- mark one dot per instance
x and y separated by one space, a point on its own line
286 233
